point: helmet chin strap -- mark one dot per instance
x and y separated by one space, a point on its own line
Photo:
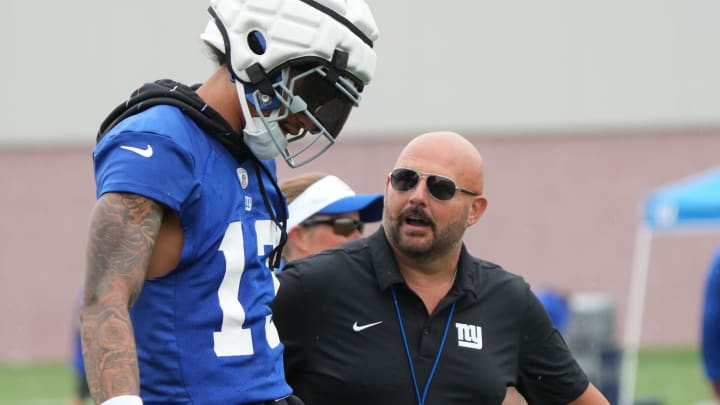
262 135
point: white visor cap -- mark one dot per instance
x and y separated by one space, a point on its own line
332 196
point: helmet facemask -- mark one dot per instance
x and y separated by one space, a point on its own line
302 90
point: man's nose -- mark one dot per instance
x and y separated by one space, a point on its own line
420 192
305 121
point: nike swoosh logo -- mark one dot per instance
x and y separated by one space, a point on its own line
146 153
358 328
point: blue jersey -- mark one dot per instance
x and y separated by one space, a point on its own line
203 331
711 321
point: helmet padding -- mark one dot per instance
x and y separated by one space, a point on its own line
292 32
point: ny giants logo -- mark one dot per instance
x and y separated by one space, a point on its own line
469 336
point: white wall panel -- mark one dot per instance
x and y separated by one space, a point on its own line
480 65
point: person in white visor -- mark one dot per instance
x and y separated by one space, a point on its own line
325 212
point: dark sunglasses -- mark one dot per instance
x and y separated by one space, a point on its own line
343 226
440 187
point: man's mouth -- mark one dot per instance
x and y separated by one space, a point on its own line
415 221
293 131
416 218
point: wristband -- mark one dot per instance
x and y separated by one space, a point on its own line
124 400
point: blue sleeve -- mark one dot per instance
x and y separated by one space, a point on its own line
711 321
149 164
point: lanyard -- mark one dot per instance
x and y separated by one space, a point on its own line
421 400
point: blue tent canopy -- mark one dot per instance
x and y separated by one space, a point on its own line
691 202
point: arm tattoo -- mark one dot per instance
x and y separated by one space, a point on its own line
123 230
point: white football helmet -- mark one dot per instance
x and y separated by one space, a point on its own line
295 56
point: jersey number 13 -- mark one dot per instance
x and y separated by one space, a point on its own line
234 339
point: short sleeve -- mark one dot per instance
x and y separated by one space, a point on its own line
548 372
147 164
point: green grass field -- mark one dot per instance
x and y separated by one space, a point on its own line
672 377
35 384
675 377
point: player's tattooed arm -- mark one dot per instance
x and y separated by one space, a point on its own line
123 230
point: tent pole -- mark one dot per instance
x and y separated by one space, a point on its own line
633 321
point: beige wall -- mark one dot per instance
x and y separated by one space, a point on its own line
563 212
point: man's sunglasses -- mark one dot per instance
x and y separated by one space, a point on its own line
343 226
440 187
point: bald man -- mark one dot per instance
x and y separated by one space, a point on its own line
413 318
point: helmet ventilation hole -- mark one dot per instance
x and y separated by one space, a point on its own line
256 42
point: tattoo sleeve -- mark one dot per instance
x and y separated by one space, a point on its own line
123 230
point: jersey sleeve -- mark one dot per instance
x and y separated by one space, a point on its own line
147 164
711 321
548 372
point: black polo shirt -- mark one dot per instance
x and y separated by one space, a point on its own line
336 315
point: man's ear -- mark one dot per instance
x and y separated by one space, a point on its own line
296 235
477 209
